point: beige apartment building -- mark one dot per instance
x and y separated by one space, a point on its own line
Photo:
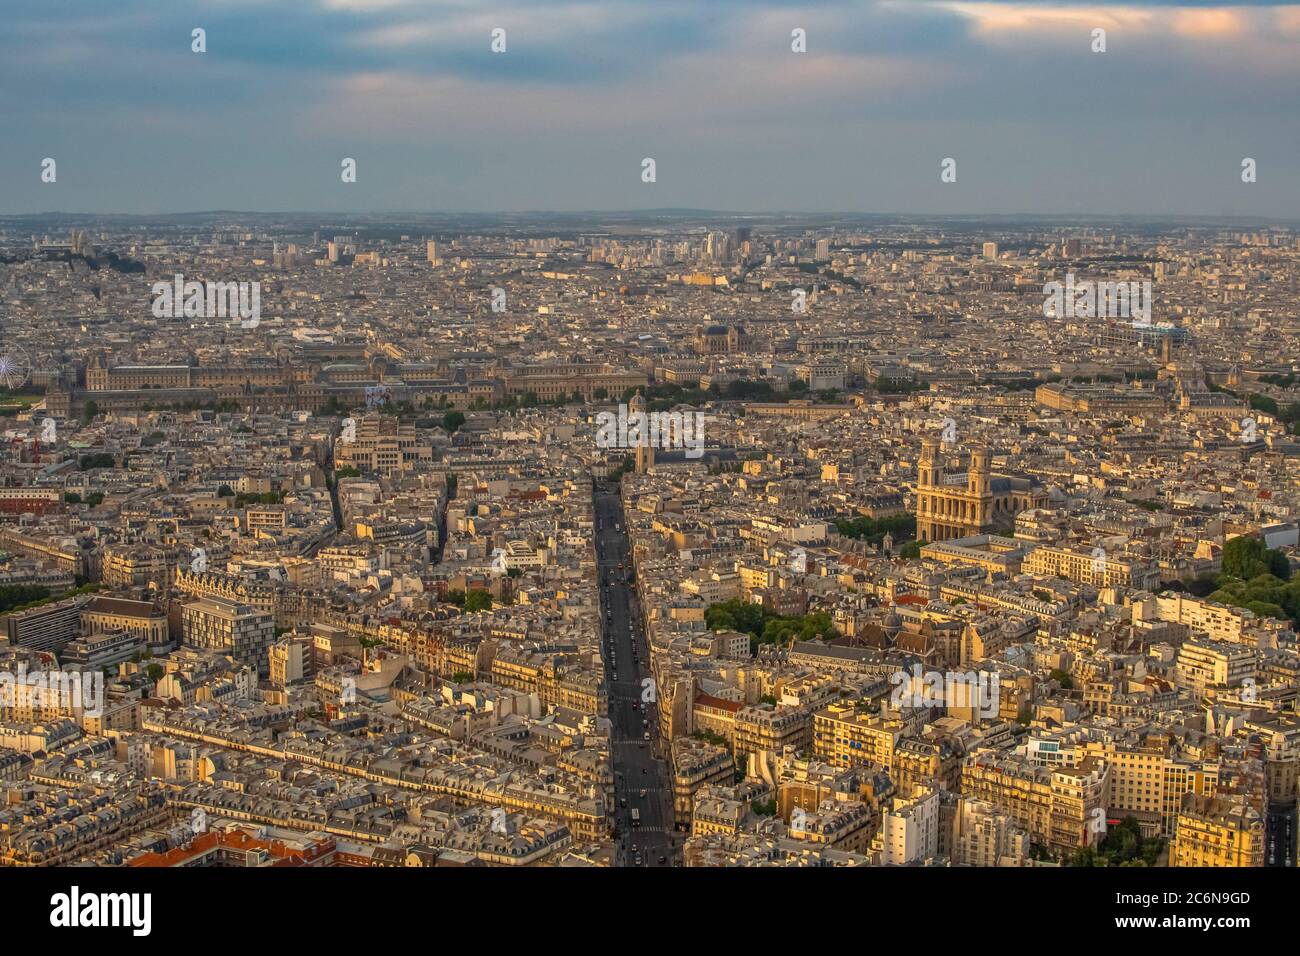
61 554
136 566
1217 831
1017 788
715 811
764 727
381 445
1079 815
929 763
909 833
835 824
1220 622
1149 785
1204 663
696 764
709 714
1095 567
548 678
287 662
845 738
984 836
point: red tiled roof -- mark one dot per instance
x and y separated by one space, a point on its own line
707 700
235 840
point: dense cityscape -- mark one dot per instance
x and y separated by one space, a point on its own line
678 539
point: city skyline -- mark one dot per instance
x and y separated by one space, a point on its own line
649 541
592 435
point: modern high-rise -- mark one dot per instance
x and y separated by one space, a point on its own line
240 630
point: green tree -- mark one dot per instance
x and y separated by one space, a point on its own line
477 600
452 421
1247 558
875 529
767 627
17 595
1123 845
1279 565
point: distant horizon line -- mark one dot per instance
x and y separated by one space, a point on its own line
679 212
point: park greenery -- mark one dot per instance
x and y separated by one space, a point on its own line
471 603
765 626
1252 577
19 595
1123 845
23 597
874 530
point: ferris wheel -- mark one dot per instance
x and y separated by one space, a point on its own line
15 368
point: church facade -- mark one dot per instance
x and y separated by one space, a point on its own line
977 502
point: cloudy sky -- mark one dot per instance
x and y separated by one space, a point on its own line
710 89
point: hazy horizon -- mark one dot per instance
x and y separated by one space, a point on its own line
1048 217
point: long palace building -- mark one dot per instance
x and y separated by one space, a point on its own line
310 378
